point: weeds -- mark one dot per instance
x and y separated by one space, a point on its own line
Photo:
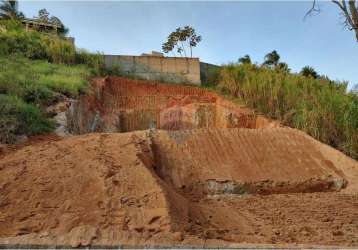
26 86
322 108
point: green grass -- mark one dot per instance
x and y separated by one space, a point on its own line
37 80
321 107
27 87
20 118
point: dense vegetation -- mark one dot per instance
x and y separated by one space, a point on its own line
27 87
35 68
321 107
15 40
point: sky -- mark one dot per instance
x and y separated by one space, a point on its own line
229 30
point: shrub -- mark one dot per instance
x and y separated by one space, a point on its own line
36 80
18 117
28 85
94 61
14 40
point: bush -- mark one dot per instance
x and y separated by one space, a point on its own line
94 61
322 108
15 40
18 117
34 67
36 80
28 85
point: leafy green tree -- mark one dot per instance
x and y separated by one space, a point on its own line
180 40
245 60
308 71
9 10
44 16
272 59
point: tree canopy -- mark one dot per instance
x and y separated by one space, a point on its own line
245 59
44 16
9 10
308 71
272 59
180 40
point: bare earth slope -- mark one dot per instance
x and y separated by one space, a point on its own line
191 188
239 161
97 181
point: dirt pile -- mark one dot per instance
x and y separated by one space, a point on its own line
111 189
98 181
244 161
123 105
214 174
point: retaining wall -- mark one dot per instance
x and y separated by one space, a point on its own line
165 69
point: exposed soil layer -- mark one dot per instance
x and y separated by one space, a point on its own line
123 105
214 174
317 218
96 180
244 161
110 189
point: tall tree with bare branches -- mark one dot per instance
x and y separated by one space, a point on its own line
349 11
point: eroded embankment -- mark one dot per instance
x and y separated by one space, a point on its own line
123 105
172 188
213 174
243 161
97 181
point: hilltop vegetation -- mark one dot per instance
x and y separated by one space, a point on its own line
323 108
27 87
35 68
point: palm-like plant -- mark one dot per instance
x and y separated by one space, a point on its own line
245 59
9 10
272 59
308 71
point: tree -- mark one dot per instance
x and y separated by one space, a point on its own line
9 10
180 39
245 59
272 59
349 11
308 71
44 16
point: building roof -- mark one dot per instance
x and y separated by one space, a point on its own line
40 23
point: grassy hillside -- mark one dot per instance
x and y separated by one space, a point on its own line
27 86
36 67
321 107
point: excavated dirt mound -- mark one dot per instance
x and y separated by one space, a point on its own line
214 174
97 181
123 105
118 189
244 161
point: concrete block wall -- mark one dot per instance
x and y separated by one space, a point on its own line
206 72
166 69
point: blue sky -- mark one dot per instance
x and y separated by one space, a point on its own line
229 30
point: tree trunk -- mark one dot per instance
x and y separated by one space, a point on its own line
354 12
182 45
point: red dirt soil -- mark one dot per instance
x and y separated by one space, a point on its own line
103 189
218 175
123 105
